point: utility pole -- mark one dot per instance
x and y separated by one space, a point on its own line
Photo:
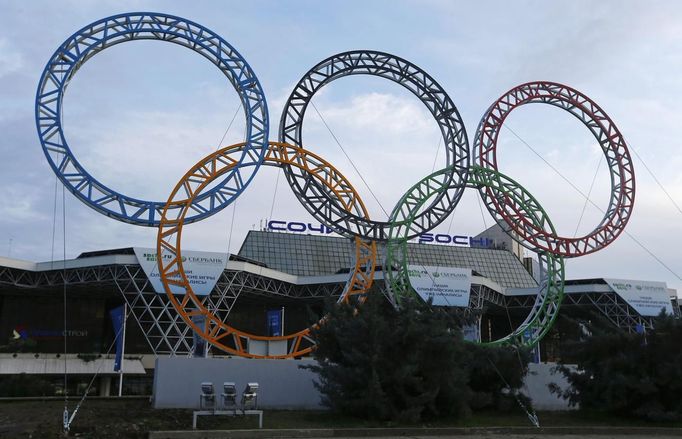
282 332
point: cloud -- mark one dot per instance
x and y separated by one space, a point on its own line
144 154
139 138
380 113
11 59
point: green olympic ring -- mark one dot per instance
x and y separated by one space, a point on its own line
520 204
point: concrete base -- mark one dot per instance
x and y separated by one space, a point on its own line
536 382
283 385
232 413
105 386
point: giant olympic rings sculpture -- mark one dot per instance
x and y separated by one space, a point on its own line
218 179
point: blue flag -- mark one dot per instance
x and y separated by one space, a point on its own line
274 322
117 317
535 351
199 342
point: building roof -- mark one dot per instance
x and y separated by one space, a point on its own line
319 255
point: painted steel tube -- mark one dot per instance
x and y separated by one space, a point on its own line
425 88
550 291
178 289
610 139
117 29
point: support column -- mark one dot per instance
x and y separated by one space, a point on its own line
104 386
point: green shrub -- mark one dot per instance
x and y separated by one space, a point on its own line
406 365
495 375
25 385
628 374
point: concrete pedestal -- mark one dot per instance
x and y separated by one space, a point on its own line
283 385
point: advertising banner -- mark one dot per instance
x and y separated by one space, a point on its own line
647 298
202 268
447 286
472 331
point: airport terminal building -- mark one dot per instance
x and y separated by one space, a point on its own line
285 273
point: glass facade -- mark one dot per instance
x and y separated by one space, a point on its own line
316 255
303 255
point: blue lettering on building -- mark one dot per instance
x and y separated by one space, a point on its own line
424 238
468 241
298 227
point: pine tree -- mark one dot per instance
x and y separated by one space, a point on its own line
628 374
408 364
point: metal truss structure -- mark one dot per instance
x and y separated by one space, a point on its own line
97 36
165 329
20 278
550 292
217 180
216 330
383 65
616 155
610 304
168 334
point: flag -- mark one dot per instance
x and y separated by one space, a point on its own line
117 316
199 342
274 322
535 350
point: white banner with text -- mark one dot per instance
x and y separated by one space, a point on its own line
201 268
447 286
647 298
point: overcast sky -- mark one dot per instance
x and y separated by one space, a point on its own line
139 114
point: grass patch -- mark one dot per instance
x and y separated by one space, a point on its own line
135 418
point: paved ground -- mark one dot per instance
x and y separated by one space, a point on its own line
533 436
134 418
428 434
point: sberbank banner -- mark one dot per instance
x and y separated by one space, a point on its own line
202 268
447 286
647 298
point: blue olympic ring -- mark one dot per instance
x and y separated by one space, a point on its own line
116 29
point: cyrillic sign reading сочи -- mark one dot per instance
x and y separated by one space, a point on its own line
424 238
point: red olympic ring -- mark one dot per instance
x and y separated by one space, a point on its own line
612 143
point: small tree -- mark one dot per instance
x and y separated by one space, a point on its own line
629 374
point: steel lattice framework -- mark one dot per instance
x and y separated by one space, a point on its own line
609 304
94 38
220 178
423 86
166 333
163 328
611 141
550 292
171 271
